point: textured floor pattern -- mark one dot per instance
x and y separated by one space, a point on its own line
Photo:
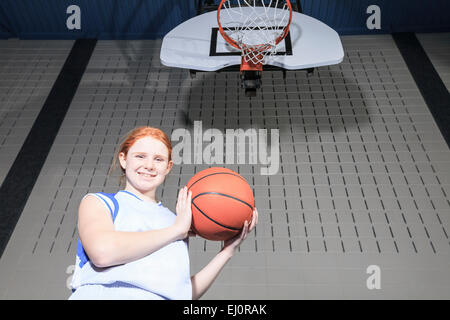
363 177
28 70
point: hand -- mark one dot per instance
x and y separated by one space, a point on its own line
232 244
184 213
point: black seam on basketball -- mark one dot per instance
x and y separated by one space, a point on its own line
218 193
225 195
224 226
211 174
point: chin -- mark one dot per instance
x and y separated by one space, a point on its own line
149 185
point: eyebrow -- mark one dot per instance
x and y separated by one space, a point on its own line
142 152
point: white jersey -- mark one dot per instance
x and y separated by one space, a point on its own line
165 272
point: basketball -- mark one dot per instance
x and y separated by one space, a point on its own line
222 201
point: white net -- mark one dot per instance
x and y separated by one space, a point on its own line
255 26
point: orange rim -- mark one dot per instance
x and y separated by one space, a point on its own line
234 44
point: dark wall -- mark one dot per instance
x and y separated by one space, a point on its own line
103 19
350 16
140 19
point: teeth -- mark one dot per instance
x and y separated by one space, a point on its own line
145 174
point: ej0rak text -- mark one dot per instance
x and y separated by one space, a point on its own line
231 309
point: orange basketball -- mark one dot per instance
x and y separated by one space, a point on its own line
222 201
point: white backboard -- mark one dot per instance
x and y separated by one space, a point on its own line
190 45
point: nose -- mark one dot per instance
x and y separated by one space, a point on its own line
150 165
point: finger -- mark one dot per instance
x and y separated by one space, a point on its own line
189 197
240 235
180 194
178 200
187 202
253 223
247 231
185 196
254 220
182 198
244 231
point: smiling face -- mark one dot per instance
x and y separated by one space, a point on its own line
146 165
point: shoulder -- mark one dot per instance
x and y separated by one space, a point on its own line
91 199
99 202
93 202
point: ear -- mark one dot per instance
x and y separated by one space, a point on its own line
123 160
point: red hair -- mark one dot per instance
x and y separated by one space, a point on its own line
135 135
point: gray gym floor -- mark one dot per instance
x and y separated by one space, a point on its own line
364 175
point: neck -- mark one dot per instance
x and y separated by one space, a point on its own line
148 196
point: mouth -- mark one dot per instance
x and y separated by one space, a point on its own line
146 175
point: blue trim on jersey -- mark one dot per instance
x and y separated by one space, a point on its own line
114 201
81 254
131 194
80 250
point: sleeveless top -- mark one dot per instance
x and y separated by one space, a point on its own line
164 272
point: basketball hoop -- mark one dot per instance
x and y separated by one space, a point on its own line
255 27
249 36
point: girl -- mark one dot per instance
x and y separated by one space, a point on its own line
131 246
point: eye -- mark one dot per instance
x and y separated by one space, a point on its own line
139 156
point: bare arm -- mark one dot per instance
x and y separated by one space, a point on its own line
203 280
107 247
